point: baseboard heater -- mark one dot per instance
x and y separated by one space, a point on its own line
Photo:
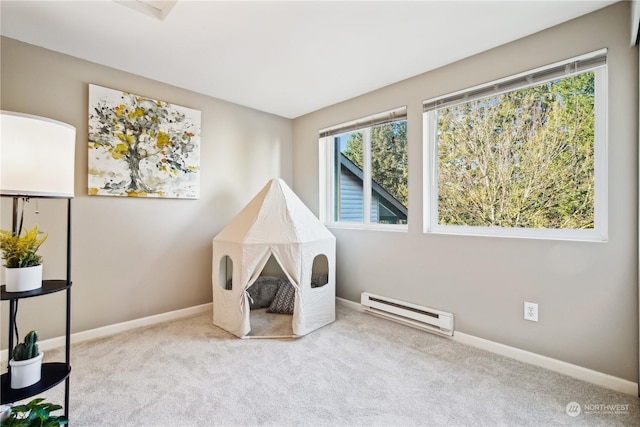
414 315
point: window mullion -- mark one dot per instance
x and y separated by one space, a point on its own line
601 212
430 184
366 174
329 201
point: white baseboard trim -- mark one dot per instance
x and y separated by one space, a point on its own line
575 371
105 331
349 304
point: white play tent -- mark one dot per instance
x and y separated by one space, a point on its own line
275 224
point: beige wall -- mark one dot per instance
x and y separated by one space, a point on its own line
587 292
135 257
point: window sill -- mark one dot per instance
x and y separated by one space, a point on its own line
370 227
591 236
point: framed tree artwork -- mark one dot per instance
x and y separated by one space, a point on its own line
142 147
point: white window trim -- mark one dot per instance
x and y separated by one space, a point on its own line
600 231
327 188
366 176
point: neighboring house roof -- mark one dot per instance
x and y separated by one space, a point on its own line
356 171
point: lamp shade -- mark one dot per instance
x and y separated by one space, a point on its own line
37 156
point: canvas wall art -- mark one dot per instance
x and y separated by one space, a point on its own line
142 147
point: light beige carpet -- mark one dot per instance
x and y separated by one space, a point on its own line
270 324
359 371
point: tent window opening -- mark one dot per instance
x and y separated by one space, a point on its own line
226 273
319 271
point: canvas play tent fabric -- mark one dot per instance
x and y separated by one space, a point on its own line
274 223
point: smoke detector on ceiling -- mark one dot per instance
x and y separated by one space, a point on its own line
157 8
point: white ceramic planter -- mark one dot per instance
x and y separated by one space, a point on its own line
23 279
26 372
5 412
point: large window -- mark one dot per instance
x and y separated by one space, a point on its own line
524 156
365 173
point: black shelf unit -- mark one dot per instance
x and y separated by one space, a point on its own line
53 373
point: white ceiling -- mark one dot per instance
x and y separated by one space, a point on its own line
286 57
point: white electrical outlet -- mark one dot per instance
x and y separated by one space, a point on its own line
531 311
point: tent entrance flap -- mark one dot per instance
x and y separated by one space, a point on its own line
262 290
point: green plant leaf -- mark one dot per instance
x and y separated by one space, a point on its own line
19 251
36 413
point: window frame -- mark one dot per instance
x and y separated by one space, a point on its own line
430 165
328 170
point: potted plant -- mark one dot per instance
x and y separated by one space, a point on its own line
36 413
26 362
23 266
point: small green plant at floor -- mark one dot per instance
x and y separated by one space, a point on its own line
19 250
28 349
36 413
